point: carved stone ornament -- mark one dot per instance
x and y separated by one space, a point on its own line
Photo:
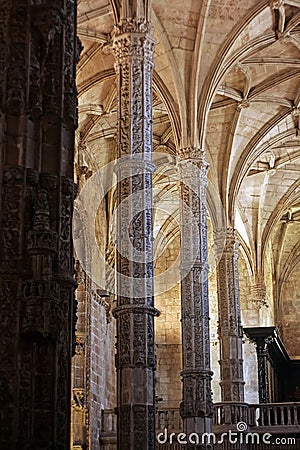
78 401
196 373
229 324
47 21
258 294
133 50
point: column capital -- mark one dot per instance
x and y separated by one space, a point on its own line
192 167
195 156
258 293
133 40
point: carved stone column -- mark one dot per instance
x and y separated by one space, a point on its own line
135 359
37 306
196 407
230 330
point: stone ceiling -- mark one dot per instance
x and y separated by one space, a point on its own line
227 79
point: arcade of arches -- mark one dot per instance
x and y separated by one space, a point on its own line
176 191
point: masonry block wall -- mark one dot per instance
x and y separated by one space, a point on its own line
214 340
168 334
102 371
290 295
250 317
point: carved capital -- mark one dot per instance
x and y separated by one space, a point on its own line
48 182
14 175
258 294
193 167
195 155
133 47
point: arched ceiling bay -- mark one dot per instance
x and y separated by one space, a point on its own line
226 77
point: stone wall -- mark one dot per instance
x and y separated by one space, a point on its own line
250 318
214 340
168 334
290 309
102 370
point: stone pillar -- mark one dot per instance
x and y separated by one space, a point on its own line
135 358
37 305
229 330
196 408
